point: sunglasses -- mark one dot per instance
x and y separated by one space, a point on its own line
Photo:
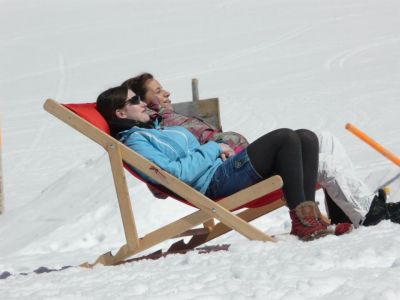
135 100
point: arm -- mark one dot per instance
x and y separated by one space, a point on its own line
188 168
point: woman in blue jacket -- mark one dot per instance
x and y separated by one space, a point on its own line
213 168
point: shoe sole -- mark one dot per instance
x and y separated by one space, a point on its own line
315 235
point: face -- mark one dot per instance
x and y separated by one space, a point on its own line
131 111
156 93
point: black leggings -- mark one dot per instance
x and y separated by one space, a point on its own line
291 154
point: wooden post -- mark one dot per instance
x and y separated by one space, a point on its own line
1 176
195 89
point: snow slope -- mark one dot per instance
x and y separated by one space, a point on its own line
299 64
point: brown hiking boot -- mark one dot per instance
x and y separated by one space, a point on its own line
305 222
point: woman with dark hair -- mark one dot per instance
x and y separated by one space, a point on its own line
213 168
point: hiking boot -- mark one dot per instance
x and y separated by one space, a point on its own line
378 210
394 212
324 220
305 223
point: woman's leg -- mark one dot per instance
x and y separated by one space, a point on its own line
310 152
294 156
280 152
310 149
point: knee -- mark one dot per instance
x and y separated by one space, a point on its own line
307 136
289 135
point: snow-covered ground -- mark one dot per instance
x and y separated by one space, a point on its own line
290 63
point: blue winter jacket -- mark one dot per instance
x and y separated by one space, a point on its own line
177 151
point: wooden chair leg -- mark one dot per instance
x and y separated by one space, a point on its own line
125 207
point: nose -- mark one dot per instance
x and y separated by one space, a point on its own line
166 93
142 103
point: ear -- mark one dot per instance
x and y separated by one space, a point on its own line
120 114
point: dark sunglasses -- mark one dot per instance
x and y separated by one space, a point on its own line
135 100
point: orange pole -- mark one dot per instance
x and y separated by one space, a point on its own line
374 144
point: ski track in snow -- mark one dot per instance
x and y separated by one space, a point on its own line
340 59
33 145
250 51
62 79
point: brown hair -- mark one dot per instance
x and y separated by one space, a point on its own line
138 84
111 100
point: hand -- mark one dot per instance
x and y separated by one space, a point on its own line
226 151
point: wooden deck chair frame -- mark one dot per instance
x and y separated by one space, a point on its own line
208 210
205 109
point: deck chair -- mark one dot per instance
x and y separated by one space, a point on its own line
258 199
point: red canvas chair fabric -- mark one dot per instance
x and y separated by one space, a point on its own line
89 112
